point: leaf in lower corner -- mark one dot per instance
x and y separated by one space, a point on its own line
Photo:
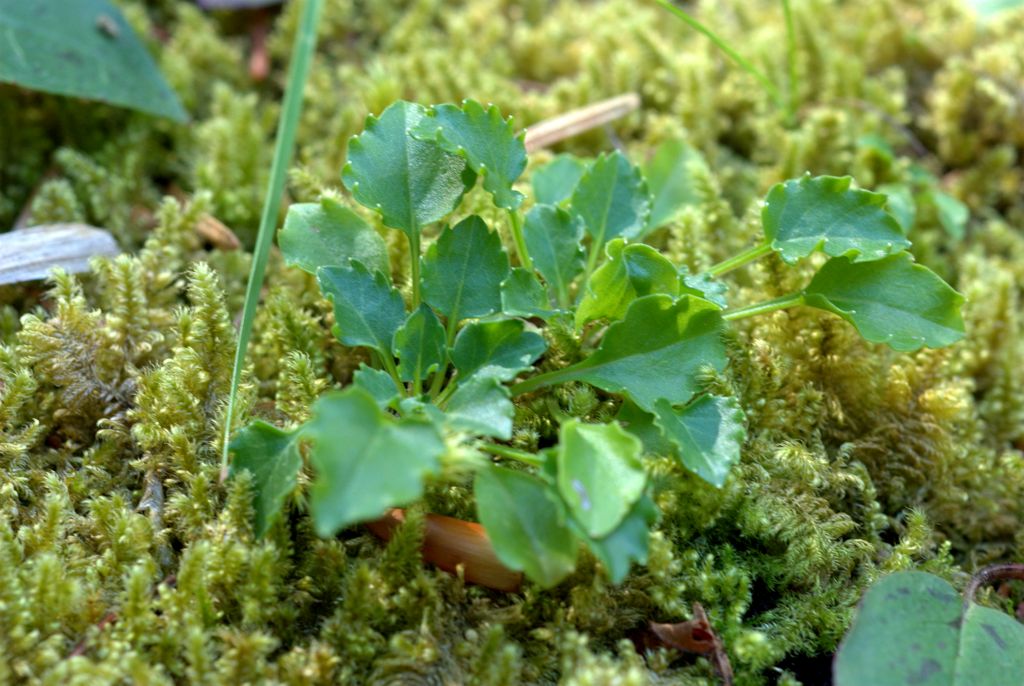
555 181
271 455
612 199
420 345
463 270
365 460
367 309
501 349
481 406
708 434
526 524
328 234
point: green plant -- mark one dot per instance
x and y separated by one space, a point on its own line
455 377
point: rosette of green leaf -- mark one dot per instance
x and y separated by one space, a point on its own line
913 628
526 523
631 271
481 405
656 351
708 435
522 295
367 310
366 461
553 237
501 349
328 234
271 455
555 182
669 175
420 346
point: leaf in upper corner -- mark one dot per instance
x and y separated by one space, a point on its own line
365 460
656 351
526 523
555 181
669 178
522 295
600 475
367 310
328 234
824 213
501 349
912 628
612 199
708 434
987 9
627 543
631 271
420 345
83 49
481 406
271 455
463 270
892 301
377 383
410 182
553 238
490 145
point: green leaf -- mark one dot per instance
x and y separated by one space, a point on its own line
377 383
84 49
481 406
365 460
900 204
669 177
632 271
420 345
823 213
328 234
644 426
522 295
911 628
553 238
708 433
952 213
526 524
490 145
705 286
410 182
555 181
987 9
367 309
612 199
463 270
891 301
600 475
627 543
500 349
272 457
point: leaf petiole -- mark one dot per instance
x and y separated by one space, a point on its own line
738 261
530 459
414 265
543 380
516 223
791 60
781 303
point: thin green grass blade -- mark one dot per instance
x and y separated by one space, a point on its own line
302 55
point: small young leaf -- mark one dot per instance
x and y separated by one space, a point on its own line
669 177
410 182
911 628
892 301
526 524
555 181
501 349
600 475
489 144
272 456
365 460
367 309
708 433
420 345
632 271
328 234
952 213
705 286
481 406
522 295
612 199
463 270
627 543
553 238
377 383
823 213
899 202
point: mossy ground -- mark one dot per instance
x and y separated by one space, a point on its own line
122 560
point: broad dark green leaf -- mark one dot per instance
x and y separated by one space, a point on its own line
553 238
463 270
481 405
644 426
367 310
420 345
708 434
522 295
272 456
377 383
85 49
892 301
911 630
490 145
612 199
627 543
501 349
526 523
600 475
670 180
328 234
824 213
410 182
632 271
365 460
555 181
